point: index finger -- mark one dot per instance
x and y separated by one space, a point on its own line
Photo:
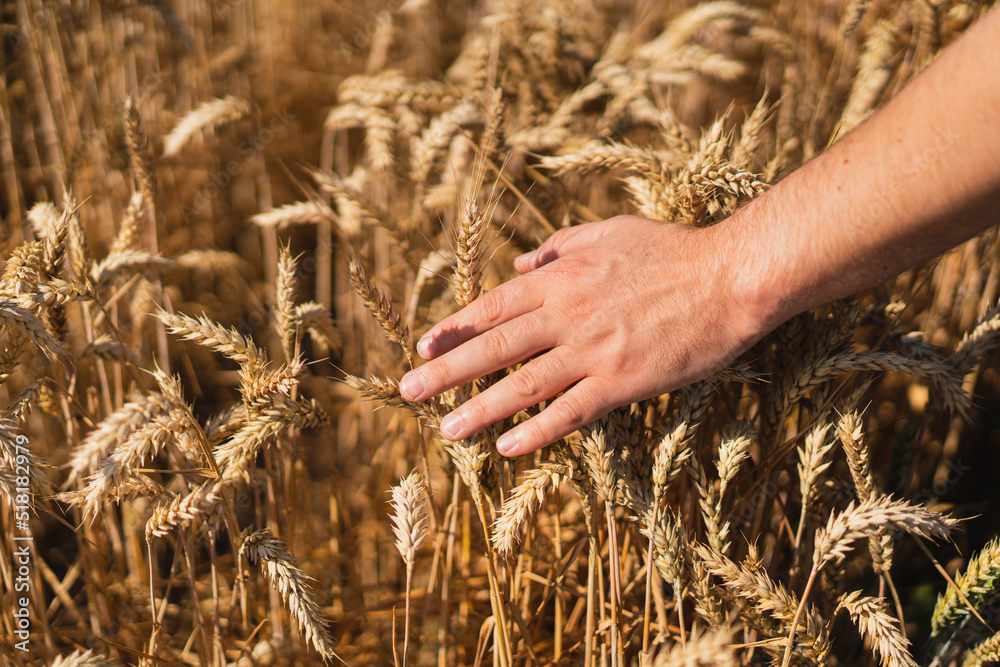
514 298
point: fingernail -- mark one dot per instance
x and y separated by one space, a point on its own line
425 347
411 386
507 442
451 426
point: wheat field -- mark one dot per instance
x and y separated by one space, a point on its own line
226 223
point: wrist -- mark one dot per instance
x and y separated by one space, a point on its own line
753 270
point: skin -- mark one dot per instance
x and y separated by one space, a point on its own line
621 310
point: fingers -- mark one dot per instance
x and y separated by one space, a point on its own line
508 301
562 242
581 404
505 345
536 381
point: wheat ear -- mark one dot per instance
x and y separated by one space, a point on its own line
205 332
138 152
524 500
213 114
380 307
851 437
708 649
980 585
409 523
114 429
857 521
868 613
987 651
77 659
281 572
292 214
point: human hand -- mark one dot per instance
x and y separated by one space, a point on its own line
618 311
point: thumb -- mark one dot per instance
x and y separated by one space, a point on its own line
563 242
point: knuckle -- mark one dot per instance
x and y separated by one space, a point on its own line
494 306
570 410
558 238
526 382
436 374
495 344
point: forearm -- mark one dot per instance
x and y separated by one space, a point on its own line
917 178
